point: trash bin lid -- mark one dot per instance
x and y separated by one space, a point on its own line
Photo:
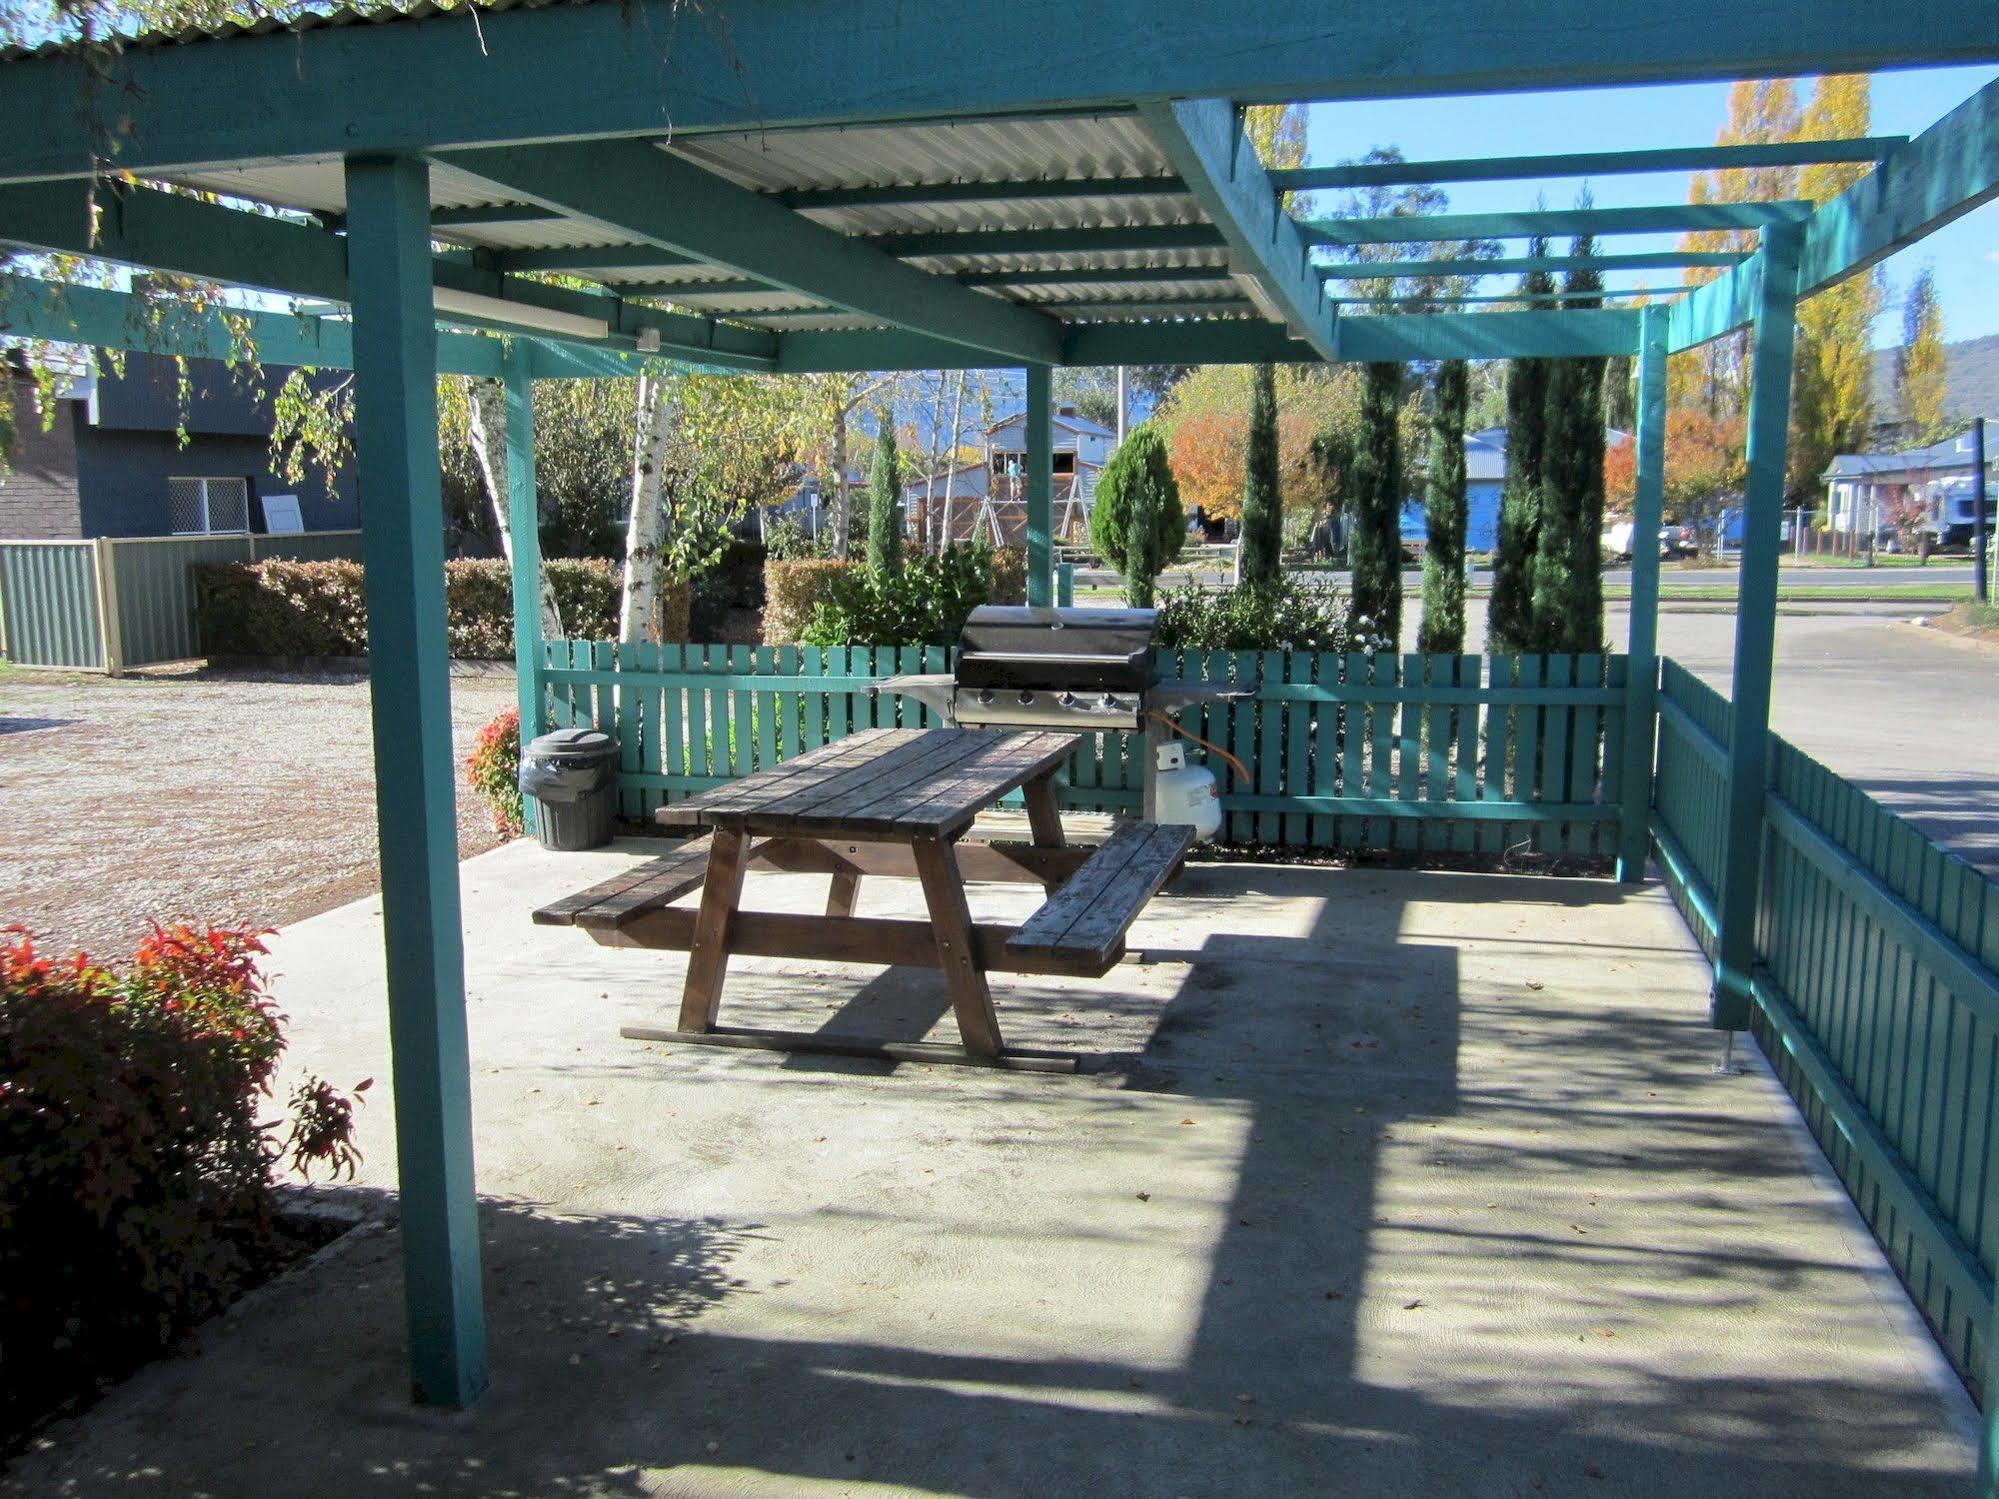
572 744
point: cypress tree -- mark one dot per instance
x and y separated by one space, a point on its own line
1262 523
1374 543
1510 617
1137 519
1442 631
1568 562
884 501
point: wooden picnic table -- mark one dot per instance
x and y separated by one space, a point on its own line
884 802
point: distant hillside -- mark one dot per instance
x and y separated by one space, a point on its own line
1972 373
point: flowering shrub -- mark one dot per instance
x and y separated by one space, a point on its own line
493 769
136 1174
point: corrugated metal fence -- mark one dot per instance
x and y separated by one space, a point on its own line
108 604
1438 753
1877 998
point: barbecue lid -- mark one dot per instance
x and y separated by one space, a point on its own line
1007 645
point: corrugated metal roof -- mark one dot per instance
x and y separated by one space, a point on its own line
385 13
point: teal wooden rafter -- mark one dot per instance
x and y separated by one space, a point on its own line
1941 175
1648 219
105 318
1040 190
1097 275
155 230
1584 164
602 71
1117 240
635 188
1205 140
1519 265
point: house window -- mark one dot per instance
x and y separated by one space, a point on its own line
197 506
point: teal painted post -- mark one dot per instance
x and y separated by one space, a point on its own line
1039 462
1771 338
1065 585
1648 503
524 539
402 548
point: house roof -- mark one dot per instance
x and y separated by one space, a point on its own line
1951 453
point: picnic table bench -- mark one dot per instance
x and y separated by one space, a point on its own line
884 803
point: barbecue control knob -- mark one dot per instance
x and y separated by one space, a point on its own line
1110 700
986 698
1026 699
1067 700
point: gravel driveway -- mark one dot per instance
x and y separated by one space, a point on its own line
241 798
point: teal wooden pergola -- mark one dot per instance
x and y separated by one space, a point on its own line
805 189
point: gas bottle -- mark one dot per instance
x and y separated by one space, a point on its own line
1186 793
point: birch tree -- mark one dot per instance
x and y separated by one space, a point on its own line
486 416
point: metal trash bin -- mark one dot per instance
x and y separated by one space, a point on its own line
572 774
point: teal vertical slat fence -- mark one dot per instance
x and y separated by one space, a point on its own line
1876 996
1337 752
49 604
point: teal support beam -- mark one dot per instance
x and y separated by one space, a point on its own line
1941 175
1520 265
402 549
1584 164
1772 334
1039 461
108 319
1642 644
640 69
669 201
524 542
1398 338
1206 142
1664 218
154 230
1065 585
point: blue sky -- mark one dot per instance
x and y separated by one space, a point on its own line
1965 254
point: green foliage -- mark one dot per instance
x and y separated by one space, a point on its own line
787 541
1273 616
884 503
1442 631
493 770
794 592
1921 375
1137 521
1510 614
925 601
1262 530
319 609
1374 543
138 1151
1568 555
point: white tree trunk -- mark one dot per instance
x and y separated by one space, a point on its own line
488 420
645 532
839 455
951 461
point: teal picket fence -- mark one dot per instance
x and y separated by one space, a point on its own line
1463 754
1877 998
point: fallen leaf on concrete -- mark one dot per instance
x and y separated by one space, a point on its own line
1143 1196
1410 1306
1536 984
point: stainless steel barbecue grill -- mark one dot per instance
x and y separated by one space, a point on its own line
1080 669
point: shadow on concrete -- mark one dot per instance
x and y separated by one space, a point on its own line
1405 1295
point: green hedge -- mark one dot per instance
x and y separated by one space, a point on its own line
317 608
795 588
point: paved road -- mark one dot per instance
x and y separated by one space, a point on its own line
1907 714
1937 575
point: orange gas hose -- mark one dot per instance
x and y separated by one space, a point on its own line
1240 769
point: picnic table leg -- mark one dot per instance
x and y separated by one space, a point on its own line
840 898
708 960
951 919
1044 817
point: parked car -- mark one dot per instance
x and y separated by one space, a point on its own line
1618 540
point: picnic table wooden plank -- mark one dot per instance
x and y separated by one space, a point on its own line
879 752
816 765
1089 916
919 762
951 796
615 901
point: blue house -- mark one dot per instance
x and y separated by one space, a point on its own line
1485 476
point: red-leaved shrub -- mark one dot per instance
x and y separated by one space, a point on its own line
493 769
137 1175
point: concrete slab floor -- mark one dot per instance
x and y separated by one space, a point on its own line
1385 1183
